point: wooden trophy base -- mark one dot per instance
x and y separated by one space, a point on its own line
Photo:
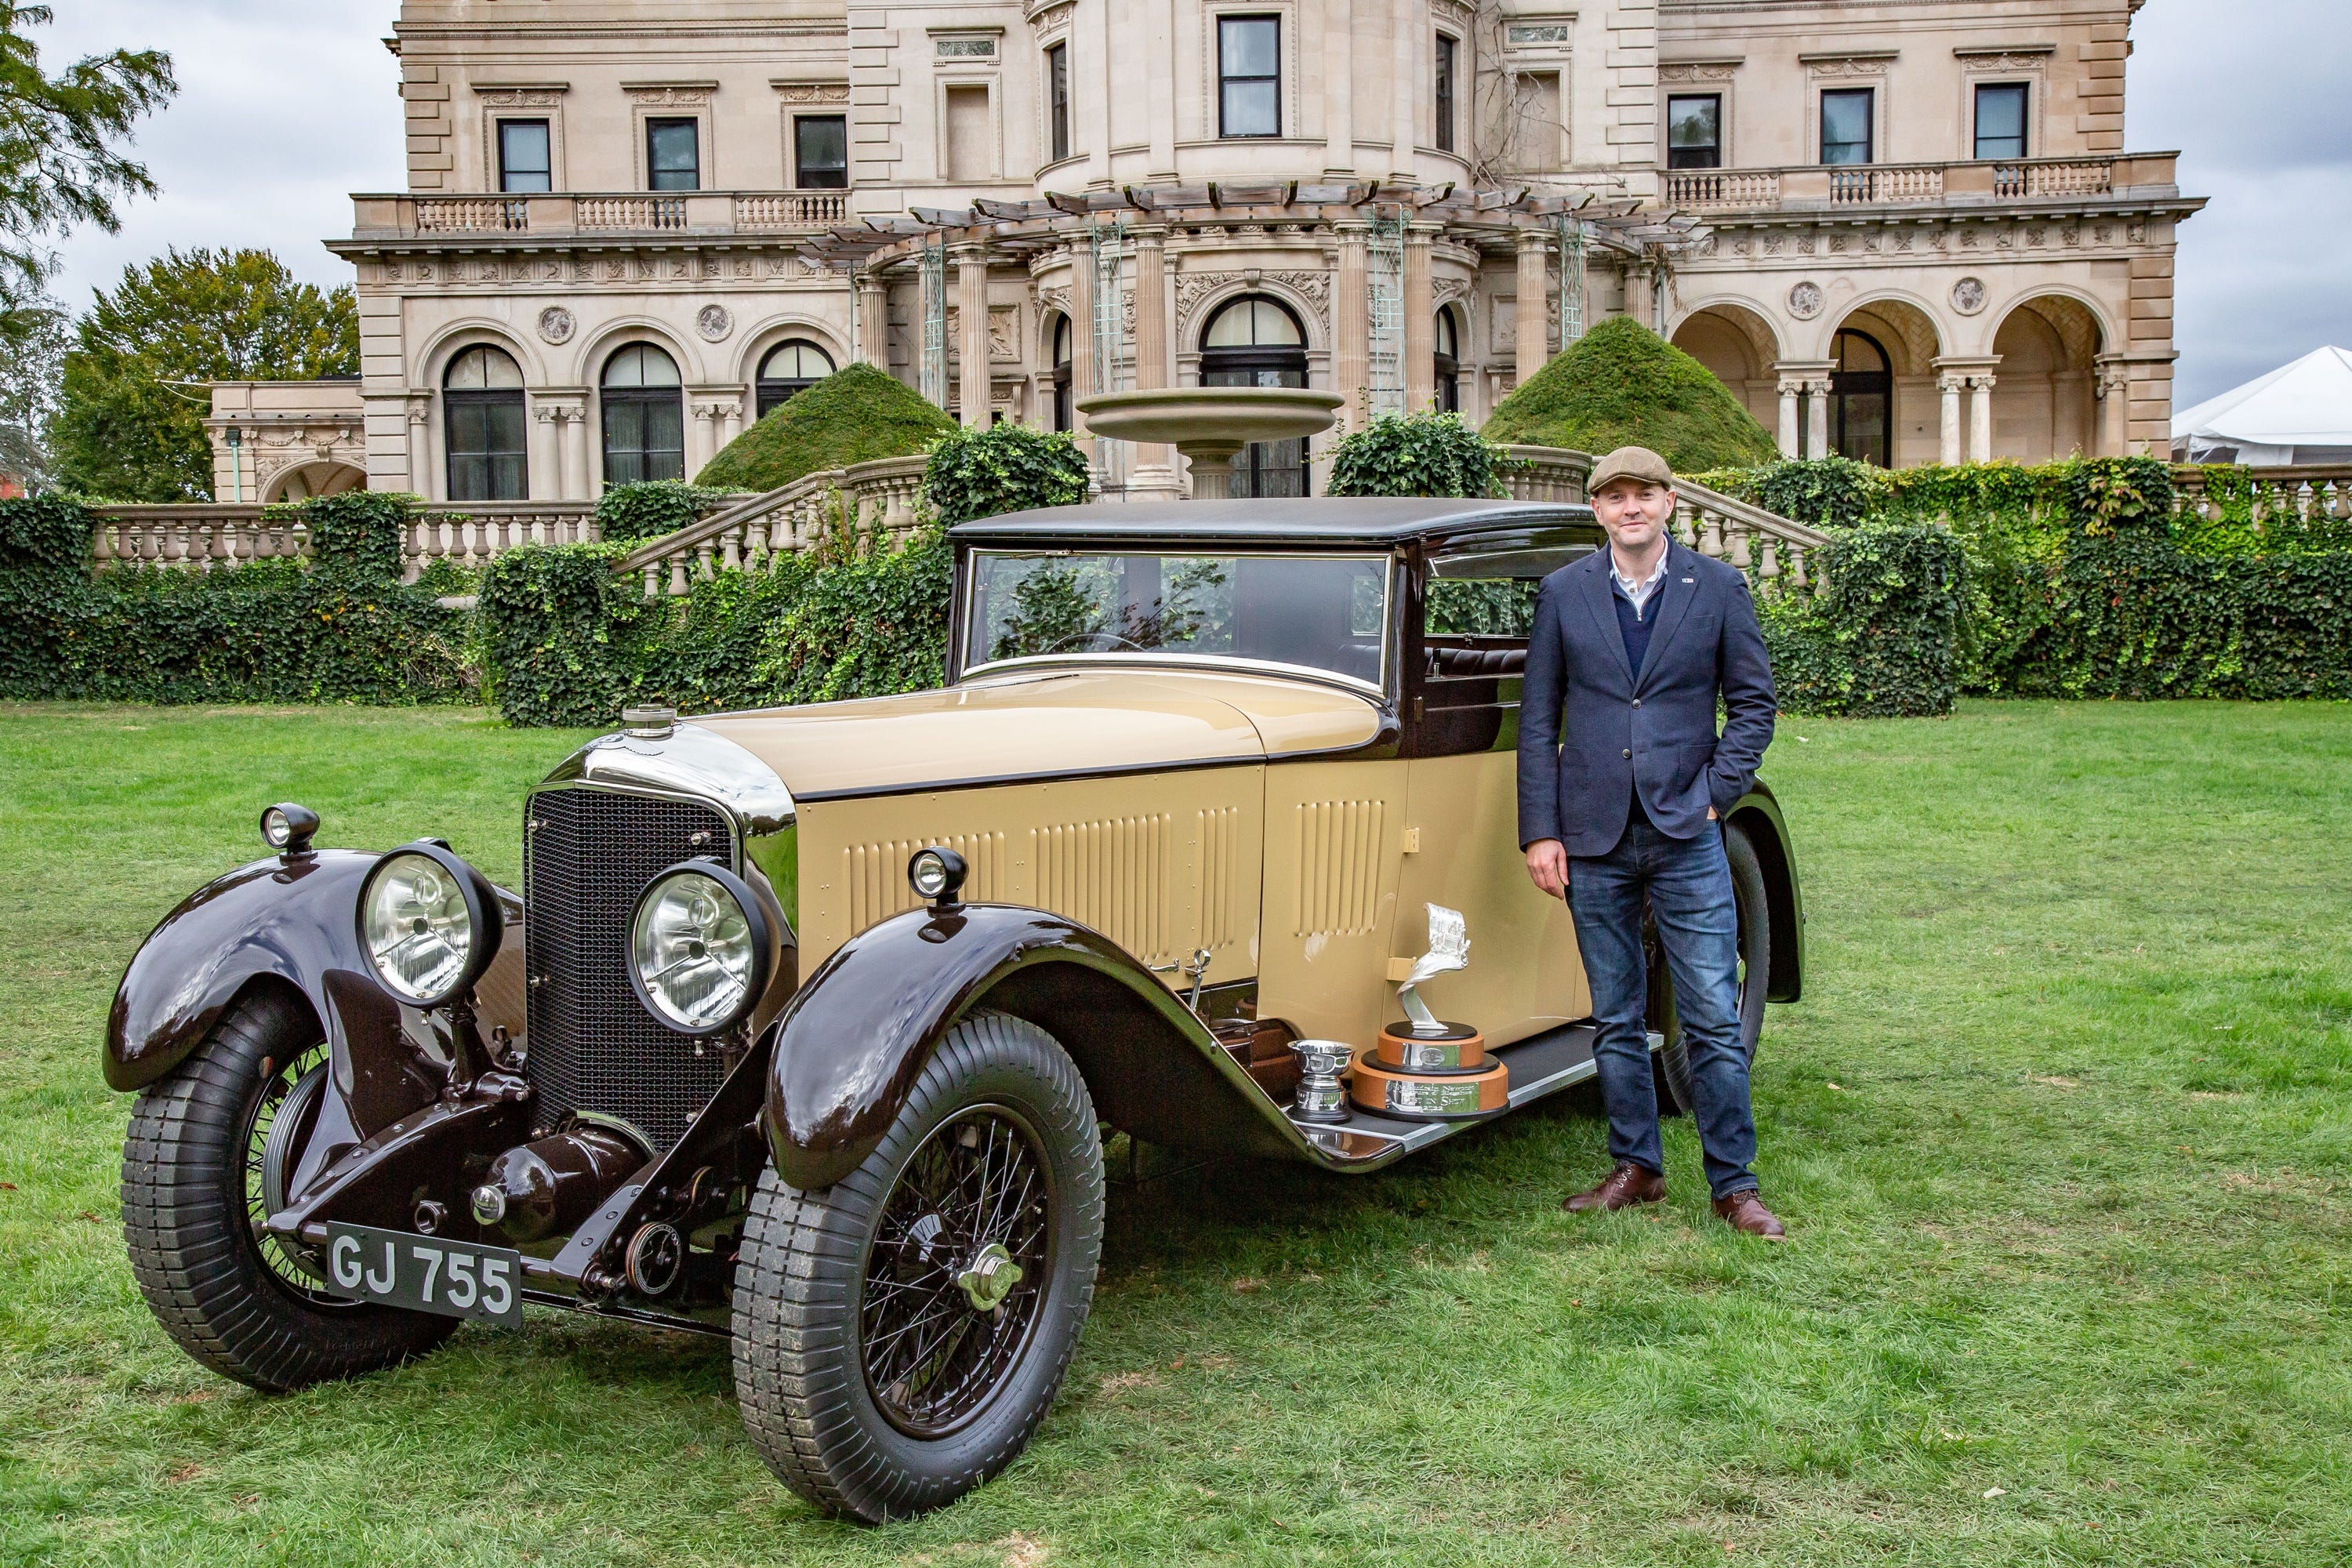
1460 1048
1457 1096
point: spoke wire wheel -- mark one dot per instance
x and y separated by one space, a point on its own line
871 1381
277 1130
1753 971
932 1356
206 1144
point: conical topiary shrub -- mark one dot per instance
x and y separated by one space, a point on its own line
853 415
1622 385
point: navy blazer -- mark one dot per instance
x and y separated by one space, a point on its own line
1592 730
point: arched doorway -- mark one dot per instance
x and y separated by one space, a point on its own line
1064 414
1738 346
484 428
643 407
1447 353
2045 401
1256 342
307 481
792 366
1861 399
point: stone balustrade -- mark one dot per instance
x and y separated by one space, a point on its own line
402 215
884 497
1546 473
2306 493
1770 548
208 538
1898 184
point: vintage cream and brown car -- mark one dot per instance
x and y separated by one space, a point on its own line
809 1022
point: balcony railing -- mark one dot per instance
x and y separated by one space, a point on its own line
1898 184
402 215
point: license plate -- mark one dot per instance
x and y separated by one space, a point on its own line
426 1273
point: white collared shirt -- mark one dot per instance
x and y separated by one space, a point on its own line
1638 594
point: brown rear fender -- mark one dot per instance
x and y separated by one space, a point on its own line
291 920
850 1047
1758 813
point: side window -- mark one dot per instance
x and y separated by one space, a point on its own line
673 155
525 156
1477 608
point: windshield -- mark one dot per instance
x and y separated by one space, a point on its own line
1326 612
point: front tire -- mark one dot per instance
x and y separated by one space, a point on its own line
884 1364
1749 898
205 1160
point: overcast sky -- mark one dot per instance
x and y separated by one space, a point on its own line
288 106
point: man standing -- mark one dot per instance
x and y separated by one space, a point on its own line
1623 783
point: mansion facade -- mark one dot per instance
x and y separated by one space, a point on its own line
1906 230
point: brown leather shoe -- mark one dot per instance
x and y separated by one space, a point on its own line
1746 1212
1622 1188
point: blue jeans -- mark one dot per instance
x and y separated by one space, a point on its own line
1689 886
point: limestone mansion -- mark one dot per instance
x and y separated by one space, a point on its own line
1899 229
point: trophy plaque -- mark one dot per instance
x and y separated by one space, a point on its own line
1425 1069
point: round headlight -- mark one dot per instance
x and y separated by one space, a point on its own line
427 923
700 947
286 827
935 874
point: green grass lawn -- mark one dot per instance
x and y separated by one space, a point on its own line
2061 1129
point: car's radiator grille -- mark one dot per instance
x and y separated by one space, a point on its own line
587 854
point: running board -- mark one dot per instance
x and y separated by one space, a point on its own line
1541 1064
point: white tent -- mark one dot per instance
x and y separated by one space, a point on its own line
2300 413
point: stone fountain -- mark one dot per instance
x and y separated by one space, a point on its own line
1210 424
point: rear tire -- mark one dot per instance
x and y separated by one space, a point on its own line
832 1285
194 1189
1748 896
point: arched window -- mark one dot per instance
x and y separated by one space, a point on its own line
1448 357
1065 415
793 365
645 417
483 427
1861 399
1256 342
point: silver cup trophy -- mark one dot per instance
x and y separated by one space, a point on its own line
1321 1097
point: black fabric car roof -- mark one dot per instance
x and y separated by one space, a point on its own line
1321 520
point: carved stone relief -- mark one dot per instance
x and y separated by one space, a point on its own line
812 92
1805 300
556 325
1968 296
714 323
674 95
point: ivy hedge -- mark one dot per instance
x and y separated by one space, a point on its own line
1622 385
1416 455
342 629
626 513
1881 634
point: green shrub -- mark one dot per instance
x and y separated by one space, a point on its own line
2107 495
1622 385
853 415
359 532
557 630
626 514
1416 455
868 626
1880 636
48 535
1824 492
1007 468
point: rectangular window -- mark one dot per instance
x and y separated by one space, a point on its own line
1845 125
1057 87
821 152
1249 76
1446 46
1694 131
525 160
673 155
969 153
2001 120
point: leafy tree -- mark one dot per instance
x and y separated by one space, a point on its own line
59 165
32 346
1416 455
131 426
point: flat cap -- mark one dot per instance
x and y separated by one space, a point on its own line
1629 463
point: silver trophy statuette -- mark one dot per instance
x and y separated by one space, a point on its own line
1449 948
1321 1096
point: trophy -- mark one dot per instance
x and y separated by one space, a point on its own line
1424 1068
1320 1063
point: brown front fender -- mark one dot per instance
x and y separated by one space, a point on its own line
857 1035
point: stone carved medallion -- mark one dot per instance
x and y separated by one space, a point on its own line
556 325
1968 296
714 323
1805 302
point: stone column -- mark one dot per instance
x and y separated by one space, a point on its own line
1420 325
731 414
1804 383
698 418
971 340
873 344
1791 434
2114 386
420 446
1154 475
1980 417
1948 449
1534 306
1640 304
1817 416
543 463
1351 330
